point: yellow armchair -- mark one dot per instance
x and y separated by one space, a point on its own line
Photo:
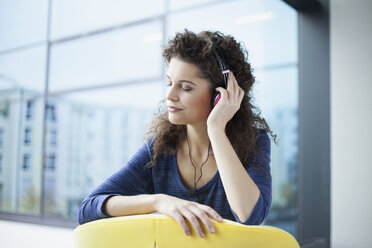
161 231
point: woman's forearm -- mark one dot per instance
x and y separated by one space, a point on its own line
241 191
130 205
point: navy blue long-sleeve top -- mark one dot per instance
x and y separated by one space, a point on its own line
135 179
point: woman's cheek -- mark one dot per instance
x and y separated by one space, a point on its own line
203 104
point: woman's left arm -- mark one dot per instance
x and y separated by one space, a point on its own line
242 192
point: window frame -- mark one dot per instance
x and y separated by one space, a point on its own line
314 123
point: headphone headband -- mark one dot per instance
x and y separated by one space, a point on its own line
221 62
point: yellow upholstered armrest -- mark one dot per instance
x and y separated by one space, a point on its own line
161 231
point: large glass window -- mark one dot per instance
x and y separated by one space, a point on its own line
73 111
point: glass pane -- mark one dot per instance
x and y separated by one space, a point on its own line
22 22
276 93
72 17
23 69
123 55
90 135
22 76
21 128
267 28
179 5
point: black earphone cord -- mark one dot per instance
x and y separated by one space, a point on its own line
201 166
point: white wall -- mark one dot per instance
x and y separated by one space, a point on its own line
14 235
351 123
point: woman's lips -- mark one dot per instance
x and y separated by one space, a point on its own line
172 109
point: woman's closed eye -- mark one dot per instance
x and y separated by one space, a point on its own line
183 89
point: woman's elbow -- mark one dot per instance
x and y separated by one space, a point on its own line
82 215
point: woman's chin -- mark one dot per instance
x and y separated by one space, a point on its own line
176 121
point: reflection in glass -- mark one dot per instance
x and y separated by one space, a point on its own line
121 55
1 137
23 69
257 24
29 109
72 17
276 92
22 23
20 151
177 5
94 133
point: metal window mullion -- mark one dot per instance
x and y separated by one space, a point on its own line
45 97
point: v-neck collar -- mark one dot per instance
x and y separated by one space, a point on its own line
203 188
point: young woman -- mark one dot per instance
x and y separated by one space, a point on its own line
201 158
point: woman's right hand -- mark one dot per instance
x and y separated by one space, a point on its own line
180 209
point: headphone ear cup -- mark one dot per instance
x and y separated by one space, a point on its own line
215 98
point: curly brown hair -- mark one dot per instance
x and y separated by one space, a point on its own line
243 129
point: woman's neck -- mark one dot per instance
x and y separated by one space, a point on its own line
198 140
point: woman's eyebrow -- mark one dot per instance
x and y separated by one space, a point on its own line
182 80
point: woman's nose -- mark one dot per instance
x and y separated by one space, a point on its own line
171 93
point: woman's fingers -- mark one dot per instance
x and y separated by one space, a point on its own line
211 212
180 210
223 92
230 84
193 220
181 221
235 88
204 218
